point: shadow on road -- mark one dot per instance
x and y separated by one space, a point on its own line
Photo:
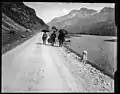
46 44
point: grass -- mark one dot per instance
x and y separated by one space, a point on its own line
15 42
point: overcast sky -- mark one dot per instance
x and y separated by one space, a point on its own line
48 10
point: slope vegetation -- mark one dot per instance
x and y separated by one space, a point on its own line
19 23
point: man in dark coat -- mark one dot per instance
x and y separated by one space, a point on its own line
61 38
52 37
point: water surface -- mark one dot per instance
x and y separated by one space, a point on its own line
101 51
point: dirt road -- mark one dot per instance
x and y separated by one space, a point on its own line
34 67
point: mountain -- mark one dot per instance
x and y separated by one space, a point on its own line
16 19
73 14
85 20
22 14
107 10
86 11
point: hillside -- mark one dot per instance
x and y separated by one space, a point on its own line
85 20
19 22
73 14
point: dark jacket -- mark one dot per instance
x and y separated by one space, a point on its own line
61 36
53 36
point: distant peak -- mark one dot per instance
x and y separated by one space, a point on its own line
83 11
83 8
86 9
106 9
73 12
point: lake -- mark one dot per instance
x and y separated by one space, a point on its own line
102 50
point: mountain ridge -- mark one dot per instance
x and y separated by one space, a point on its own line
19 21
83 10
71 13
85 19
22 14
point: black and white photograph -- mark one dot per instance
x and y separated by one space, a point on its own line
58 47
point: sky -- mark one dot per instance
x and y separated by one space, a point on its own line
49 10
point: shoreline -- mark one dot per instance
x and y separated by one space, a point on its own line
92 64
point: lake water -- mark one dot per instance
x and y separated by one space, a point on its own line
100 52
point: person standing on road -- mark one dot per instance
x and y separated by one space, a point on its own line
44 37
52 37
61 38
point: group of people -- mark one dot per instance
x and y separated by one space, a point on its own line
61 38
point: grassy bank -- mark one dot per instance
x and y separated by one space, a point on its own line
91 63
18 41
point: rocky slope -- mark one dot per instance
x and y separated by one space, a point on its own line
17 19
22 14
73 14
91 78
84 21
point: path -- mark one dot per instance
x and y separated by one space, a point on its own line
34 67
